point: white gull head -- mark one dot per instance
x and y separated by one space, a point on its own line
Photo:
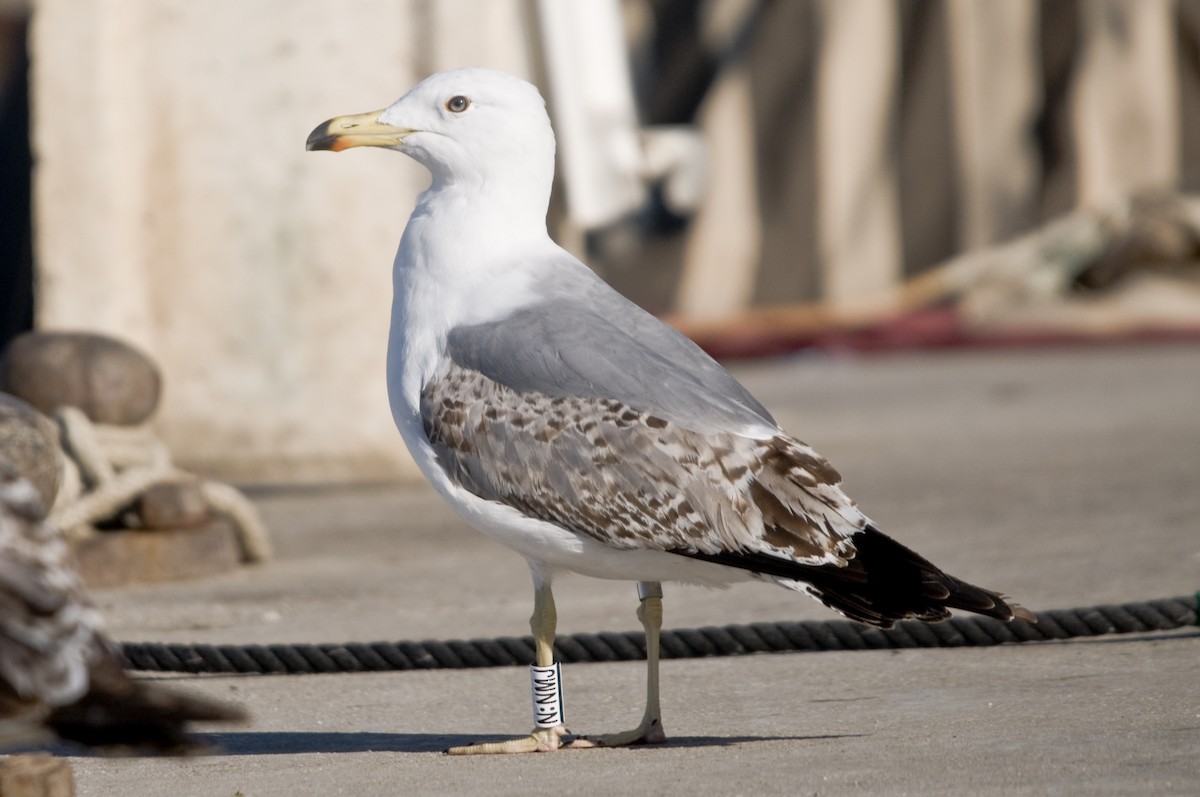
476 246
476 130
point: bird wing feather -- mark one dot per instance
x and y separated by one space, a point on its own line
631 479
584 340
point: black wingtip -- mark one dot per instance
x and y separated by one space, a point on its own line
901 584
883 583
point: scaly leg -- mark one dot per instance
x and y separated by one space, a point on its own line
542 624
650 730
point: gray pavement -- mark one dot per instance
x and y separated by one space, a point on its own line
1063 478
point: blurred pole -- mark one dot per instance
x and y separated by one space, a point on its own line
591 100
89 123
722 249
997 96
858 218
1126 99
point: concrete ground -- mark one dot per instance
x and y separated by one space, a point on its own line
1063 478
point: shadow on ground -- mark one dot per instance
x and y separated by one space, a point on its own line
294 742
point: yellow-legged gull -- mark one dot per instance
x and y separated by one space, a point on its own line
563 421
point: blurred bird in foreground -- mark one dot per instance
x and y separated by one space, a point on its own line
60 678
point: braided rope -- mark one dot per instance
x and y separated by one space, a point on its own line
106 468
731 640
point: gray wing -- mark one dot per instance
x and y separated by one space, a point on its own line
631 479
585 340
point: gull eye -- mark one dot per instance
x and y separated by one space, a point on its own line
457 104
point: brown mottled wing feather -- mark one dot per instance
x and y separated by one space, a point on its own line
632 480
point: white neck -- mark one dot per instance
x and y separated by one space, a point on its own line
454 267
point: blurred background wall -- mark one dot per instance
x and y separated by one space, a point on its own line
849 146
175 208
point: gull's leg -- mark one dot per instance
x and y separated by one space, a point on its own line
542 624
650 730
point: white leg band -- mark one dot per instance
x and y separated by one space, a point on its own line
649 589
547 695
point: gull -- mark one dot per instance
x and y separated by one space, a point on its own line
563 421
60 677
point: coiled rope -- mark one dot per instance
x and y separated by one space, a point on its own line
731 640
106 468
